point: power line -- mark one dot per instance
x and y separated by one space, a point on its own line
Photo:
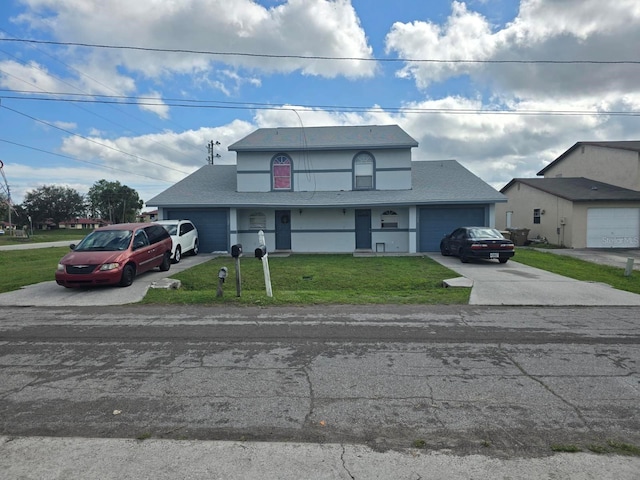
322 57
91 140
215 104
83 161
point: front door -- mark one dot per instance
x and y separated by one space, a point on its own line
283 229
363 229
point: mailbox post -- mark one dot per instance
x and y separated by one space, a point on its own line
261 253
222 274
236 253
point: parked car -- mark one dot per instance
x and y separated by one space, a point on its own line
477 242
184 235
114 255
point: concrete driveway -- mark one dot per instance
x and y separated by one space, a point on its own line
50 294
513 283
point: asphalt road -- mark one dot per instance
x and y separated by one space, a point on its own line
499 382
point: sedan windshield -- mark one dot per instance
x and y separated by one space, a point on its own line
105 240
484 233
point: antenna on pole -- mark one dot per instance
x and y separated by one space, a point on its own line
212 153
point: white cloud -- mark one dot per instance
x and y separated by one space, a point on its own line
153 102
310 27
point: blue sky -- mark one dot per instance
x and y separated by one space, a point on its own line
483 90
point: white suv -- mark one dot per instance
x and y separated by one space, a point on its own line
184 235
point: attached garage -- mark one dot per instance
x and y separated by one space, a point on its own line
212 225
613 228
436 222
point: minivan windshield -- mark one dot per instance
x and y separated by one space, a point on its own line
105 240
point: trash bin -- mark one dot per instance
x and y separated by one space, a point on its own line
519 236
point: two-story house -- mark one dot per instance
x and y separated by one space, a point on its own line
589 198
329 189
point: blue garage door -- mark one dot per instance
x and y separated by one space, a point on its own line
435 223
212 225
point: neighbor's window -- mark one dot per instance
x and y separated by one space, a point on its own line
363 172
281 170
257 221
536 215
389 219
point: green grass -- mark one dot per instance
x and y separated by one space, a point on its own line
318 279
40 236
579 269
25 267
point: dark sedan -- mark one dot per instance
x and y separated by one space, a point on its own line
477 242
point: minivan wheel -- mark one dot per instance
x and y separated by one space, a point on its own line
128 274
166 262
178 255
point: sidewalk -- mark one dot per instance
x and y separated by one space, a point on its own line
36 458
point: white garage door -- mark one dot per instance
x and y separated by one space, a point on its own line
613 228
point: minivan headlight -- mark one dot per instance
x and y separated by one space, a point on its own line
109 266
60 267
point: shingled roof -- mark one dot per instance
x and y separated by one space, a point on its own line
577 189
433 183
325 138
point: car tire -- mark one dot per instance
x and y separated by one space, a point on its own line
463 256
166 262
444 251
503 260
195 248
178 255
128 274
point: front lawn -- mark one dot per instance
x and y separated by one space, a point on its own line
25 267
318 279
579 269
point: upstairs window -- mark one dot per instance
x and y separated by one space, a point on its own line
281 172
389 219
363 172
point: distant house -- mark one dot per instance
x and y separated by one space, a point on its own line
150 216
329 189
589 198
83 223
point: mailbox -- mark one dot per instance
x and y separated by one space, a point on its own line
222 273
261 251
236 250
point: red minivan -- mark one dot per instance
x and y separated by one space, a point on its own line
114 255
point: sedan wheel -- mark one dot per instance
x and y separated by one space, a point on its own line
178 255
503 260
463 257
444 251
128 274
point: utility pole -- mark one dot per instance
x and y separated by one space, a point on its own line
212 153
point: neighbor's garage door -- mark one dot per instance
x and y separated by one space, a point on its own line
212 225
435 223
613 227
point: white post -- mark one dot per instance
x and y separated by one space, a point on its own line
265 265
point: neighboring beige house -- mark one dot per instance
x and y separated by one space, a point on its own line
589 198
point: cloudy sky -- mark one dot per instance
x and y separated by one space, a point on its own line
134 91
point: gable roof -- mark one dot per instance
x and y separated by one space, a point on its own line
631 145
577 189
433 183
325 138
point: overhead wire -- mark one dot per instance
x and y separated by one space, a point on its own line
321 57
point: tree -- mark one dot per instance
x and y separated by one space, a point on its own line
114 202
53 202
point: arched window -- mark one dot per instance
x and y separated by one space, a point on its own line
389 219
363 167
281 172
